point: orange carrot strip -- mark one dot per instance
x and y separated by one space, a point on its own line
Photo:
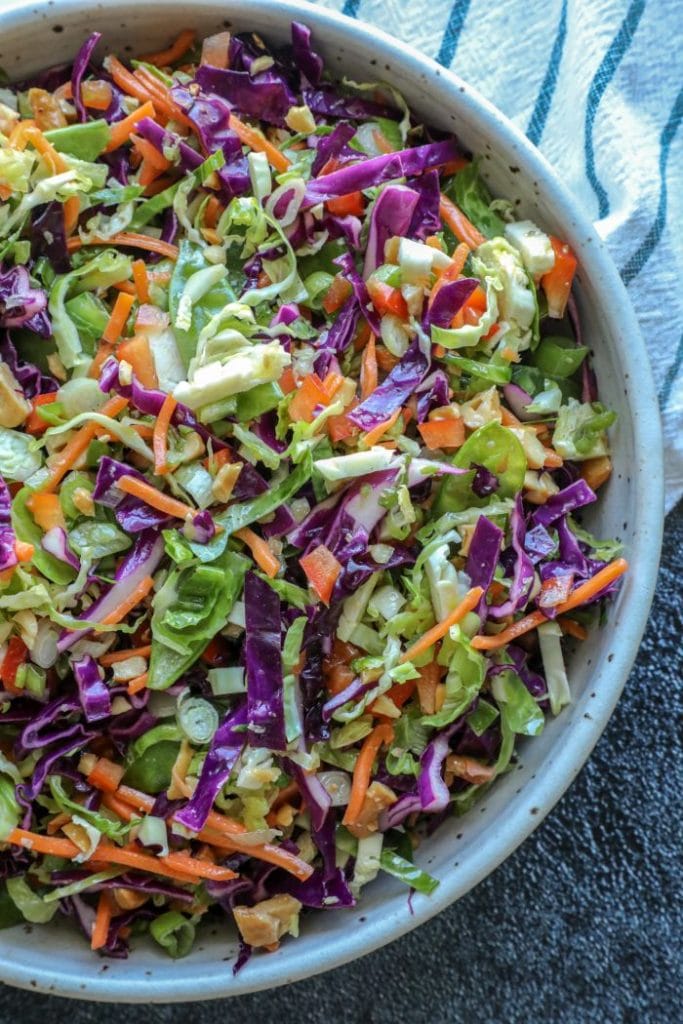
117 321
79 443
23 551
583 593
107 660
173 865
125 286
469 601
137 684
134 86
131 240
106 775
572 628
266 852
43 844
154 498
160 437
136 595
174 52
121 130
141 280
462 228
263 556
383 733
368 372
112 803
72 206
255 139
373 436
137 353
141 802
46 510
100 929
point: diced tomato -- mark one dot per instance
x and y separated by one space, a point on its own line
386 299
322 570
34 423
353 204
337 294
444 434
15 656
309 396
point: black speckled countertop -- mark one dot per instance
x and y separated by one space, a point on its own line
582 924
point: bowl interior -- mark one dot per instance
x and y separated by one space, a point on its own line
465 849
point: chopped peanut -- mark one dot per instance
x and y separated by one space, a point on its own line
267 922
14 408
129 899
377 798
300 119
225 480
469 769
82 499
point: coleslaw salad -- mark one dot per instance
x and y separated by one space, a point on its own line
296 424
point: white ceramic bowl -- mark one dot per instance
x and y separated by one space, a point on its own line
33 35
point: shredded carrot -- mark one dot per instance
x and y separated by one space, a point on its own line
72 207
175 51
142 89
382 733
469 601
508 419
102 921
460 255
117 321
373 436
452 272
160 438
154 498
136 352
158 185
51 845
141 280
572 628
78 444
46 510
263 556
583 593
255 139
106 775
130 240
462 228
120 131
368 372
134 597
23 551
137 684
173 865
125 286
112 803
133 652
220 831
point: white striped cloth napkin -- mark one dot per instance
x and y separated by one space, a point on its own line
603 74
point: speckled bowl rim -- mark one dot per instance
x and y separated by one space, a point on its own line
343 943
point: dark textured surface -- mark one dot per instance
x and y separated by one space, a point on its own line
582 923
